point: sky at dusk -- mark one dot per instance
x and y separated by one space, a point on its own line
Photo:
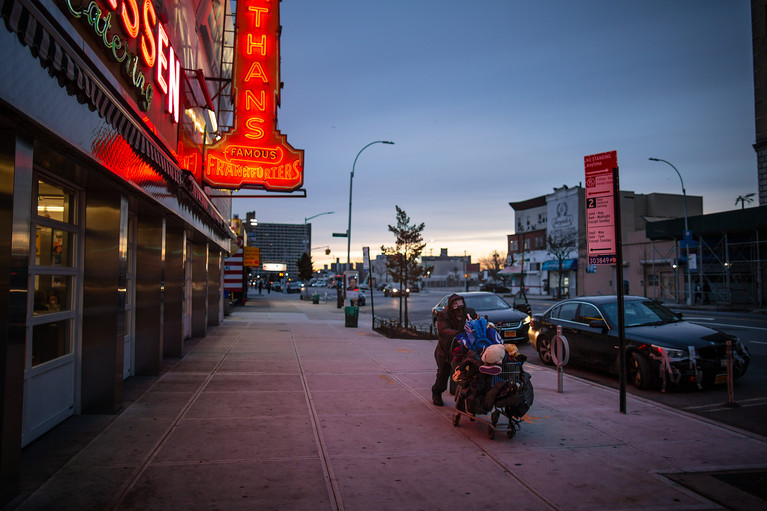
498 101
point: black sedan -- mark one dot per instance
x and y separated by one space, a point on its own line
511 322
394 289
494 287
661 348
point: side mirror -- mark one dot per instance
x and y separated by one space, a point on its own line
524 307
598 323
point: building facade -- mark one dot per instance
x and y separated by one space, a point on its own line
759 38
548 251
281 244
449 271
111 247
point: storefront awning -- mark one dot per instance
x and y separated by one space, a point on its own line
511 270
567 264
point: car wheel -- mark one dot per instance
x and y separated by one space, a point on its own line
544 350
639 370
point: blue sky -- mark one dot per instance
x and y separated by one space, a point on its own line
499 101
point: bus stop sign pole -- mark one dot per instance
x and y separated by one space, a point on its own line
619 278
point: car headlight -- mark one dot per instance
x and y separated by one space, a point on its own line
672 354
527 320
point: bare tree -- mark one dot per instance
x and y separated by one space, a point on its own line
402 259
492 264
559 244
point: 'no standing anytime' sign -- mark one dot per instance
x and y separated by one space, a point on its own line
600 207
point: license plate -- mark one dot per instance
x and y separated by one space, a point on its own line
510 333
721 378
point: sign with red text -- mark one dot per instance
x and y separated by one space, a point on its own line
132 40
600 207
255 154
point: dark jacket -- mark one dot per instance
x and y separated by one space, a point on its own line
449 324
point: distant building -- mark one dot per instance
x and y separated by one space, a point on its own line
280 243
759 38
449 271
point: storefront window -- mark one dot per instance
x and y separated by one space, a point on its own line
53 247
51 341
55 202
52 293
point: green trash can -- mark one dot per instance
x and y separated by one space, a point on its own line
352 314
315 298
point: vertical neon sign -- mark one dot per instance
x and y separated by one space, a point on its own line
254 154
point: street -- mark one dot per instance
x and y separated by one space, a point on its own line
750 392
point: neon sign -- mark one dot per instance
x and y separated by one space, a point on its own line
154 53
254 154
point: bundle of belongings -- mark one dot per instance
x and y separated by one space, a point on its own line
489 372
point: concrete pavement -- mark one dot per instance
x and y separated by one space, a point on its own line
282 407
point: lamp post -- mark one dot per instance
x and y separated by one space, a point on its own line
319 214
686 230
351 181
306 238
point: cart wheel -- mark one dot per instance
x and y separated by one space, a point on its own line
490 432
456 419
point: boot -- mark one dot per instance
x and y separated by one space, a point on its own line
437 399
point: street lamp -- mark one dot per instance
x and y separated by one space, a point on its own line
686 230
351 180
319 214
306 238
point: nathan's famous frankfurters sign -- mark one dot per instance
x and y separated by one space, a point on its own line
254 154
131 39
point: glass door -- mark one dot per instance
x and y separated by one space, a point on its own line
49 373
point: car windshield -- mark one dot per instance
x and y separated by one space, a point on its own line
486 302
640 313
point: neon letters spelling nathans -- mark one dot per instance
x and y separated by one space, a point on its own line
254 154
155 55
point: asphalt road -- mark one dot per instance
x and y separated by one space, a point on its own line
750 392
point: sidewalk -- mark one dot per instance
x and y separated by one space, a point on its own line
282 407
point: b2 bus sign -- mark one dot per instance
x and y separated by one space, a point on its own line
600 207
254 154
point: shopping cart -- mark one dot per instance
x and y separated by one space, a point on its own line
509 393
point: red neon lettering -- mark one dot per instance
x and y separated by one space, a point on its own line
252 124
255 71
257 14
148 46
174 81
112 4
250 98
253 44
130 22
162 61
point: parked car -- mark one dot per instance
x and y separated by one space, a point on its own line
494 287
393 289
512 323
655 338
295 286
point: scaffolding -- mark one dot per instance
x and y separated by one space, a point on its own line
728 262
